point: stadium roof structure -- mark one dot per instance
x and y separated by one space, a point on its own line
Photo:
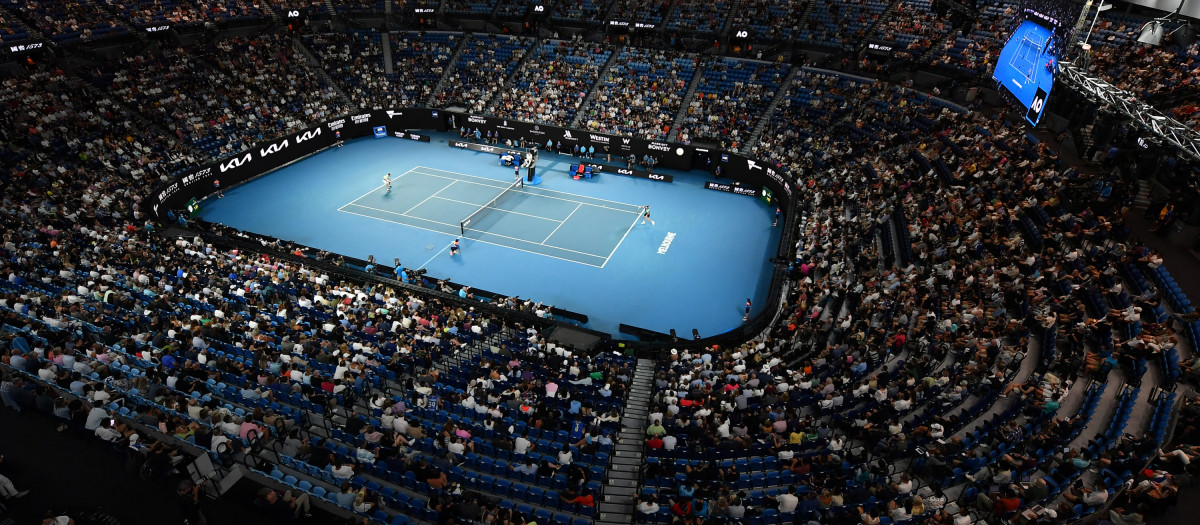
1162 126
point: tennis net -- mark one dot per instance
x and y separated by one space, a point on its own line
465 224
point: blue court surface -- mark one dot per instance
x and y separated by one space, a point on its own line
552 223
579 245
1022 64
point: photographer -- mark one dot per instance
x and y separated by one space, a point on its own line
188 501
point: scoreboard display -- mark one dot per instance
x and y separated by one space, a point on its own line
1028 62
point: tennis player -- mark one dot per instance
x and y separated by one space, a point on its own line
387 180
454 250
646 215
747 316
217 186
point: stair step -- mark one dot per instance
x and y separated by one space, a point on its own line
621 475
618 495
622 514
631 483
612 506
615 467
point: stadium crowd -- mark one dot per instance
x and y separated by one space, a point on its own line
914 26
355 60
641 94
472 81
182 342
979 291
552 83
420 58
959 301
66 21
774 20
732 94
1161 76
225 97
698 16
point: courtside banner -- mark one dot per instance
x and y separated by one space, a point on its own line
630 172
752 172
669 155
270 155
484 148
410 136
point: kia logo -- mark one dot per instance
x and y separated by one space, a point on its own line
235 162
312 133
273 148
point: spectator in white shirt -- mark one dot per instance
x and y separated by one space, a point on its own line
787 501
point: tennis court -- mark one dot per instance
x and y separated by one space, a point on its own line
560 225
1026 58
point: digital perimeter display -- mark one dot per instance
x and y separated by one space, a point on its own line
1028 62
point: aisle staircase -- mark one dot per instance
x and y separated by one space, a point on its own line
687 101
388 65
1142 200
534 49
727 24
315 65
451 67
780 95
624 471
591 96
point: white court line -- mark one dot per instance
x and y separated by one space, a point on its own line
482 232
426 263
455 234
375 189
564 221
502 209
427 198
532 193
539 189
403 215
614 250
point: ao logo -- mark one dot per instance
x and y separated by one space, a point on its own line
235 162
1038 103
742 34
293 14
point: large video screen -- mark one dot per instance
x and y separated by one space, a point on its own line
1028 62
